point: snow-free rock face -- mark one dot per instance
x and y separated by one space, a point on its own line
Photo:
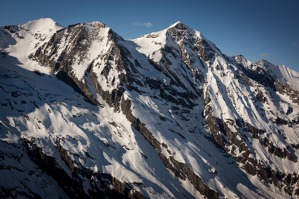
87 114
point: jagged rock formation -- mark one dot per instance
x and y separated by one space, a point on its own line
87 114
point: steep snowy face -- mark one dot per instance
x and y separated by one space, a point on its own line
177 37
192 43
43 26
85 113
243 61
85 56
75 48
180 53
281 73
246 106
21 40
268 113
247 113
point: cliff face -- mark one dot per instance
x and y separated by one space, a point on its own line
87 114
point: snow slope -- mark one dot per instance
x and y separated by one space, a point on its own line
171 116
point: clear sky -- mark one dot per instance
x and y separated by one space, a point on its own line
258 29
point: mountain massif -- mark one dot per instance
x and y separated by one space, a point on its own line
85 113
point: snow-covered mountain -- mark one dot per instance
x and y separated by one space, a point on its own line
85 113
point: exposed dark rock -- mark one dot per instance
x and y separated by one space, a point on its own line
281 121
282 153
287 90
11 28
52 168
113 98
215 130
224 137
260 96
73 185
195 179
181 170
253 130
180 85
180 31
77 86
250 168
295 146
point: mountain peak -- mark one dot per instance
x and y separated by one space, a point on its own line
42 25
241 59
43 20
178 25
181 27
89 114
264 62
97 23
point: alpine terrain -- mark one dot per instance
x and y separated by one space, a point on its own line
85 113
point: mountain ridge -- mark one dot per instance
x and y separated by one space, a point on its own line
164 115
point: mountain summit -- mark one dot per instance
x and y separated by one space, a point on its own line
88 114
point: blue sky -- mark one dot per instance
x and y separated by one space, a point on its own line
258 29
